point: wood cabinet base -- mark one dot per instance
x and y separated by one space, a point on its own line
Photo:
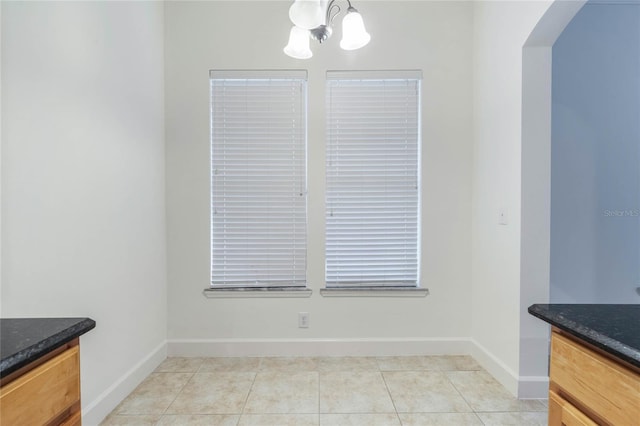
561 412
47 393
587 387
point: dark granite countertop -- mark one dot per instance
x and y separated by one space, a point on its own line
613 328
23 340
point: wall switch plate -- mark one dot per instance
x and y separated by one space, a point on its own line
503 217
303 319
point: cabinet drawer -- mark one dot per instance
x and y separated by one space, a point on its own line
594 382
43 393
562 413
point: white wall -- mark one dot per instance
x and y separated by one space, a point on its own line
1 44
83 181
82 195
535 197
500 32
431 36
512 136
595 210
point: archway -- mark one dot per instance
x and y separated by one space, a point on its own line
535 190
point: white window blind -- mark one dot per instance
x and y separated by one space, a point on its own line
372 179
258 178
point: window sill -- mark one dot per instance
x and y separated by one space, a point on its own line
226 293
374 292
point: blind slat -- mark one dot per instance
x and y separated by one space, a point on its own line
258 178
372 179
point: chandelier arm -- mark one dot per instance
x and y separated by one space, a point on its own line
331 7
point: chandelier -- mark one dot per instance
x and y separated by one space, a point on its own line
313 19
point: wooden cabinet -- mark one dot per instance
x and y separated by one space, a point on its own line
562 412
45 392
589 387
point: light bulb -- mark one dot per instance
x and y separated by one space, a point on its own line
306 14
298 46
354 35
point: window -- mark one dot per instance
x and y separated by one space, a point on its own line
372 179
258 178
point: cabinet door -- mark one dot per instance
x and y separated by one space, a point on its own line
608 389
562 413
43 393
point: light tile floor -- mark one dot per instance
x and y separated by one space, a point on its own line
383 391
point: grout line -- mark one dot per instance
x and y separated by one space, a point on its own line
391 397
244 406
164 412
319 396
199 370
374 369
461 394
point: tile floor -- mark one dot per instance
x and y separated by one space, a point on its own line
371 391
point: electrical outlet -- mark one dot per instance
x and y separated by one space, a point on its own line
303 319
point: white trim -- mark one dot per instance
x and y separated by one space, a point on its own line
498 369
374 292
533 387
523 387
553 23
318 347
95 411
248 292
245 74
374 74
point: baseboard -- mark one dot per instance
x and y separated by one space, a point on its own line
317 347
523 387
94 412
498 369
533 387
